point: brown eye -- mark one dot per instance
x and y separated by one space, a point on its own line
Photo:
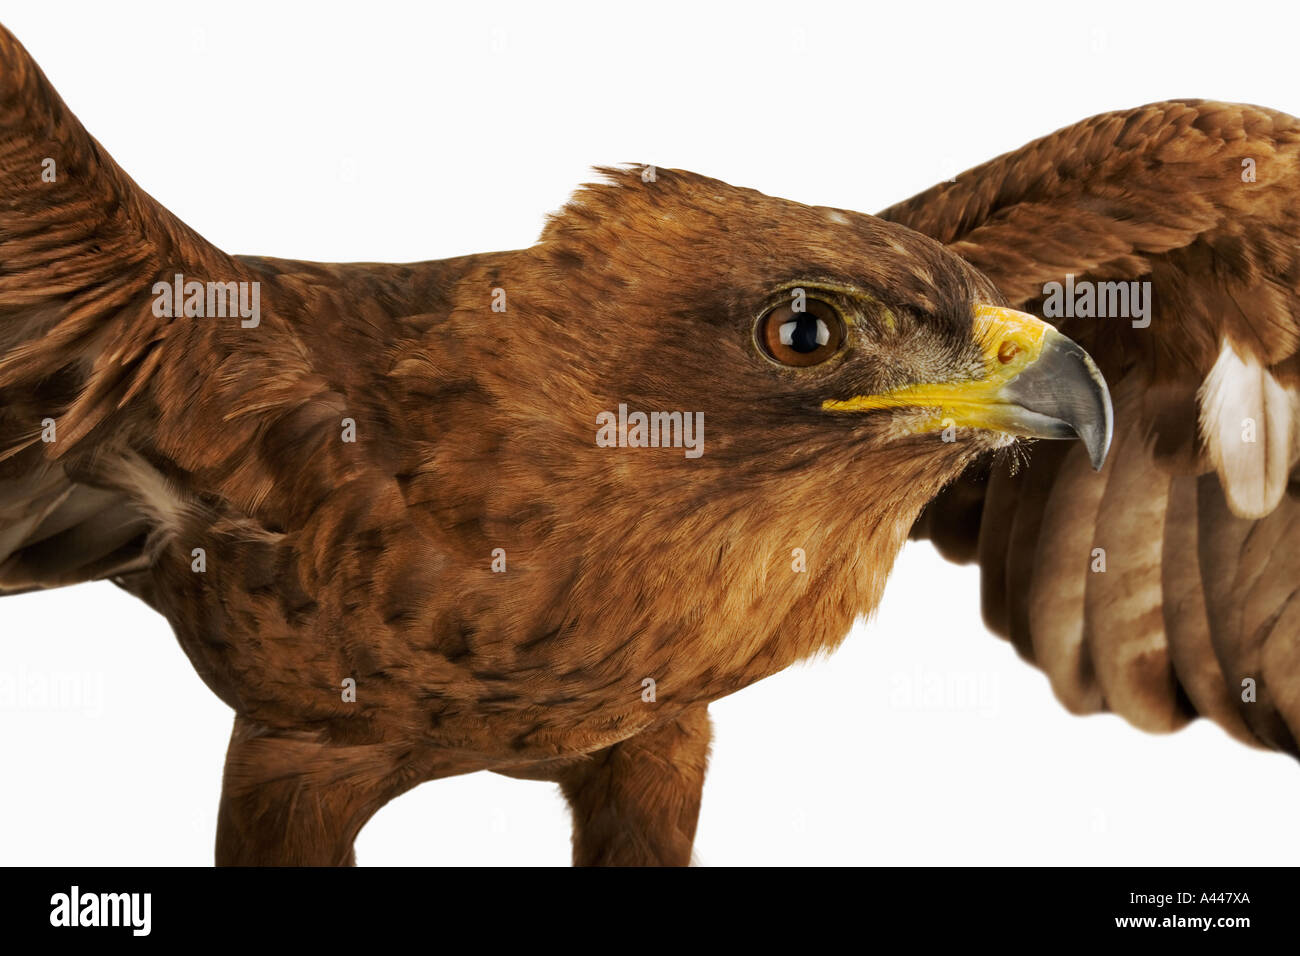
801 338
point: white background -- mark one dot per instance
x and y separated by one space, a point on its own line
393 132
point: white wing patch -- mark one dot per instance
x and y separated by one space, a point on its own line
1247 420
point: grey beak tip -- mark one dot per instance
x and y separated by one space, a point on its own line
1096 436
1099 447
1067 393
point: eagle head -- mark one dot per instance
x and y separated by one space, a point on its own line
702 381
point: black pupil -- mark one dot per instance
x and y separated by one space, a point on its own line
804 339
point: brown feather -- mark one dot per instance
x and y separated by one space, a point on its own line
321 498
1154 194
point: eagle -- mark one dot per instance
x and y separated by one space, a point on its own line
532 511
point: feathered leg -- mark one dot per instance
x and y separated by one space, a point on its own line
636 803
291 800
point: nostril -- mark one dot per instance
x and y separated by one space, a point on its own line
1007 351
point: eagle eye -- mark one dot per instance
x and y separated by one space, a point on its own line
800 337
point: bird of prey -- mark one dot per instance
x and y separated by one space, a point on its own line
531 511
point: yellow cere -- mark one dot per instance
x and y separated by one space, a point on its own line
1010 340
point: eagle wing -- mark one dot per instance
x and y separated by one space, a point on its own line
1164 586
114 417
80 246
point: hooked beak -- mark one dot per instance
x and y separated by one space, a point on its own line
1037 384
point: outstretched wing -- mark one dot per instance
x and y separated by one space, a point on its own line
1165 586
115 413
80 247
